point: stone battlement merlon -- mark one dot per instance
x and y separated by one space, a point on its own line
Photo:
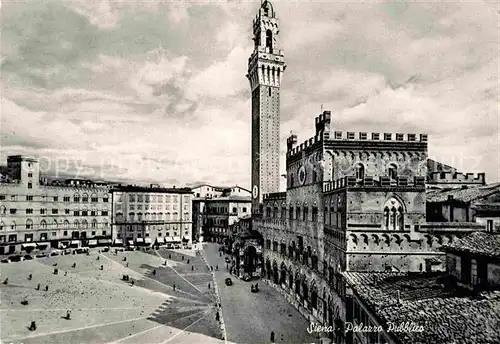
323 122
291 141
374 182
456 177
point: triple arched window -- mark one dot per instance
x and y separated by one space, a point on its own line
393 215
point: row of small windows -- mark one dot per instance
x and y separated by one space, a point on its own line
154 216
43 224
43 211
66 199
29 237
376 136
155 198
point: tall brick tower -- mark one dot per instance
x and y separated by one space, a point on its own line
265 69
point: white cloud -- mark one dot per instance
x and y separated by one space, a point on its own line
167 116
222 79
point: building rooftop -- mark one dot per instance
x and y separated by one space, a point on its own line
219 187
230 198
464 195
447 315
481 243
486 208
145 189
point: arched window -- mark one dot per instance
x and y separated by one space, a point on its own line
105 224
360 171
392 171
2 210
55 224
131 216
85 198
66 224
393 215
29 224
269 40
1 225
85 224
139 216
76 224
43 224
76 198
13 225
94 223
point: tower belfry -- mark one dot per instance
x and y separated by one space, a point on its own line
265 70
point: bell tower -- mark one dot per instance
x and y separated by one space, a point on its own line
265 69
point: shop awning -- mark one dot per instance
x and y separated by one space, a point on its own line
131 242
139 240
42 244
177 239
104 241
28 245
75 242
92 242
147 240
118 241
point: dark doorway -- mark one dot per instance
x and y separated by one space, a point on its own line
251 259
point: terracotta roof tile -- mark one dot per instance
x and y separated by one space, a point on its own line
482 243
448 316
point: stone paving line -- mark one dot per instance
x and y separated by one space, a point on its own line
217 297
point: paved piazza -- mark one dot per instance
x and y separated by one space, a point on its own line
105 309
251 317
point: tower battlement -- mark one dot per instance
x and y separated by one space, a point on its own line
323 124
456 177
303 146
291 141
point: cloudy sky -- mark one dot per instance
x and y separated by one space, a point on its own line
156 91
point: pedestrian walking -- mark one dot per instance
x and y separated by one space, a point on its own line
217 267
68 315
272 337
188 261
217 316
32 326
154 272
192 268
74 265
6 281
30 276
208 285
46 288
174 286
102 267
38 286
